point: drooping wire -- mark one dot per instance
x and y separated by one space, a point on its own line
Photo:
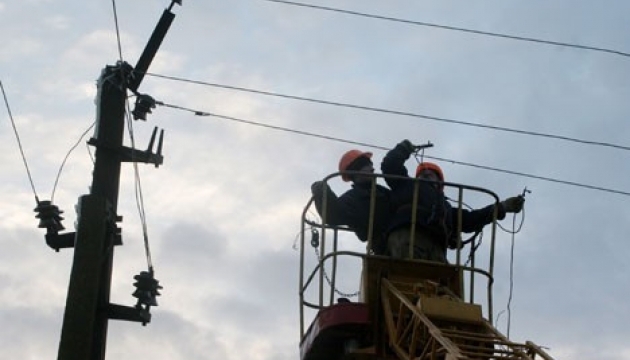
63 163
475 240
137 182
509 304
17 136
396 112
513 233
476 243
453 28
346 141
138 194
296 239
90 153
508 308
520 225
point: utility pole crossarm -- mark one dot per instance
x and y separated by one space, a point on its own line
127 154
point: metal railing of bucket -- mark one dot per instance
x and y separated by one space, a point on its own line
327 280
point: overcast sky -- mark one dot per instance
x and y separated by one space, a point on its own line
224 210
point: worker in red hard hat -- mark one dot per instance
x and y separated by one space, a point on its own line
352 208
430 171
435 218
355 160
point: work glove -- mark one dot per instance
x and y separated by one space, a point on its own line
407 146
317 188
513 204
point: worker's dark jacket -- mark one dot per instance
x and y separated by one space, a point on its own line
353 210
434 213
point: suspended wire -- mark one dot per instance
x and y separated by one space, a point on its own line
300 132
508 308
515 230
17 137
543 178
520 225
511 293
476 241
196 112
63 163
138 185
117 30
139 196
397 112
138 193
90 154
446 27
346 141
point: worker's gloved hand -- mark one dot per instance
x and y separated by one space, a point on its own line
407 146
513 204
317 187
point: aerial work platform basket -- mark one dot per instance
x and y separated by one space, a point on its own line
406 308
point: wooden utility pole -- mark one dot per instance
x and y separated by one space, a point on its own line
84 331
88 308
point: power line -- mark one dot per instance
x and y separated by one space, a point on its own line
138 192
543 178
63 163
325 137
399 113
137 182
114 10
17 136
453 28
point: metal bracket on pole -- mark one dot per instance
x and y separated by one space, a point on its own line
128 313
127 154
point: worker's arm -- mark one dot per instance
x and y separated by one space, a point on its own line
333 215
394 163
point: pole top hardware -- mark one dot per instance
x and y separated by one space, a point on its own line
49 216
128 154
144 104
178 2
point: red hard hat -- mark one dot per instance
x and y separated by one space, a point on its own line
430 166
348 158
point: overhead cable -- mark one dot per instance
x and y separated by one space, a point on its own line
397 112
63 163
138 192
305 133
120 56
137 182
453 28
17 136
